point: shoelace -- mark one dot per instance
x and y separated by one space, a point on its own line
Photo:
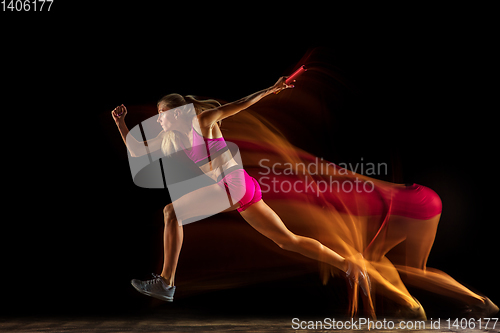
157 278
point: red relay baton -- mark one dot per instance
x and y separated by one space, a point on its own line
295 74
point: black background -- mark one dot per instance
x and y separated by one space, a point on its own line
69 243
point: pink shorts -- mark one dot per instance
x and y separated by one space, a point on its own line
239 183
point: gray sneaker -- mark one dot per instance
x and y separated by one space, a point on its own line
157 288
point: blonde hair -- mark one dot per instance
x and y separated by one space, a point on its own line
170 142
175 100
172 139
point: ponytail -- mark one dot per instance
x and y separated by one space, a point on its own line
202 105
176 100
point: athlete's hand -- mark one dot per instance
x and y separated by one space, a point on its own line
119 114
281 84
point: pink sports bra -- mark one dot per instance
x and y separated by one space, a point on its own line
204 150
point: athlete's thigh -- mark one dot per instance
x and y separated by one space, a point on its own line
233 207
265 220
420 240
205 201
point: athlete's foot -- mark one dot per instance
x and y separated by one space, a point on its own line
485 309
157 288
356 273
415 312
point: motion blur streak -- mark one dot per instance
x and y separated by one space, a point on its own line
370 221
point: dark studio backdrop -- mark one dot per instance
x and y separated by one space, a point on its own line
417 100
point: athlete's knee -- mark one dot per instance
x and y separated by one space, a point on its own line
169 214
287 242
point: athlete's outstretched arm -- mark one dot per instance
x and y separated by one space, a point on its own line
212 116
